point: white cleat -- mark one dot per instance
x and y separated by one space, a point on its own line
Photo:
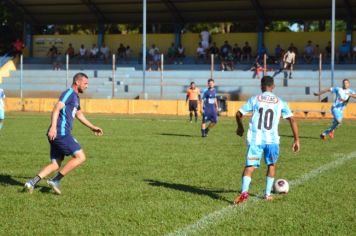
55 186
28 187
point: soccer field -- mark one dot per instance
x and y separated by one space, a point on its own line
156 176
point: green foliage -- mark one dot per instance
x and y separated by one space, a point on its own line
154 175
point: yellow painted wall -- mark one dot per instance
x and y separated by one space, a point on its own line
158 107
7 68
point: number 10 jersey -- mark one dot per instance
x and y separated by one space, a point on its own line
266 110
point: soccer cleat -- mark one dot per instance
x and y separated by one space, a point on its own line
242 198
54 185
28 187
331 134
267 197
323 137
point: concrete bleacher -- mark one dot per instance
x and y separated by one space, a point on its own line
39 80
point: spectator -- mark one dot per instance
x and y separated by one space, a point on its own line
295 50
94 52
246 52
327 54
180 53
214 50
343 55
237 52
58 62
278 53
52 53
289 61
261 52
82 53
316 52
121 53
200 53
70 51
153 57
227 62
353 53
18 47
105 53
205 38
225 49
128 53
171 54
308 53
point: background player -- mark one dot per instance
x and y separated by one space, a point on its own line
208 108
62 143
193 95
262 136
2 108
342 97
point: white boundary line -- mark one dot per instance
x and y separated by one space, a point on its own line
231 210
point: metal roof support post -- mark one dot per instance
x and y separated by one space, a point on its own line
261 30
27 37
332 42
178 30
101 32
144 47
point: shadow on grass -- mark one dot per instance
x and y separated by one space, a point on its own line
176 135
10 180
301 137
212 193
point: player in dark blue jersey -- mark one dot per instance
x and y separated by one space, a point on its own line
209 108
62 143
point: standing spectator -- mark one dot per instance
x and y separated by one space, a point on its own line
121 53
308 53
180 53
343 55
18 47
153 57
327 54
82 53
128 53
316 52
200 54
94 52
171 54
70 51
105 53
261 52
52 53
246 52
278 53
236 52
205 38
294 49
289 61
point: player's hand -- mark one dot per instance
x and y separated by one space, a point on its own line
240 131
52 133
201 112
97 131
296 146
316 94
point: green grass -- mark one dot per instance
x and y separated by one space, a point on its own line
156 175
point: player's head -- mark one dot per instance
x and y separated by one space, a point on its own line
267 83
210 83
192 85
80 80
345 83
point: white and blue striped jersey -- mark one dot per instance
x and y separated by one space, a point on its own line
266 110
341 97
2 96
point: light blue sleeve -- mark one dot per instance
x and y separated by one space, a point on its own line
286 112
248 106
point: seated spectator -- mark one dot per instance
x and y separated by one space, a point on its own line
58 62
236 51
82 53
18 47
200 54
128 53
52 53
308 55
343 55
94 52
261 52
225 49
327 54
121 53
171 54
153 57
317 53
227 62
246 52
214 50
180 53
278 54
70 51
105 53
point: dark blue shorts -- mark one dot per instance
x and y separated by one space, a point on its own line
210 116
63 146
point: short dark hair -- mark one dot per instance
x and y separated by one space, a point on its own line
210 80
78 76
267 81
345 80
192 83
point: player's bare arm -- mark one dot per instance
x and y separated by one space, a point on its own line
52 133
240 127
201 106
80 116
322 92
294 127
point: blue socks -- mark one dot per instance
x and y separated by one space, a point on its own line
269 185
246 180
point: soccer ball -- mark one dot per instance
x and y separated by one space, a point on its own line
281 186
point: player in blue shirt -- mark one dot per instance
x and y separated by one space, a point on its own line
342 97
262 135
208 108
2 108
61 141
